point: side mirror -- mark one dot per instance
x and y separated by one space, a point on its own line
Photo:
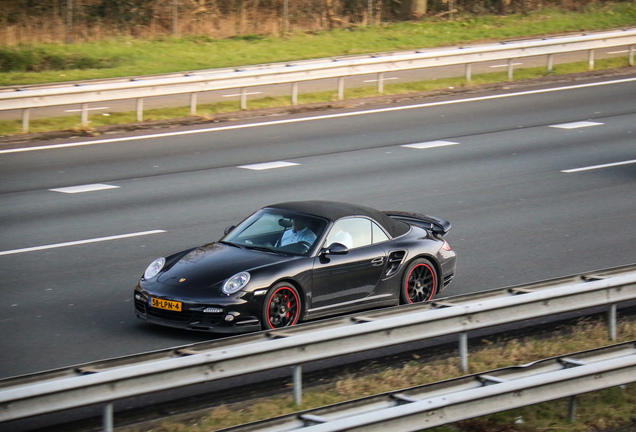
229 229
335 249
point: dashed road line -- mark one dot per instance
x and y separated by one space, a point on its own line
576 125
84 188
429 144
268 165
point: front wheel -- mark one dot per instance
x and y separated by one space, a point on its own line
281 307
419 282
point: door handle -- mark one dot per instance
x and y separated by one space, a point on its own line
377 261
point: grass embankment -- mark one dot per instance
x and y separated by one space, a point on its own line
129 57
613 407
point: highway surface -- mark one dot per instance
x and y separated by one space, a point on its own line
538 183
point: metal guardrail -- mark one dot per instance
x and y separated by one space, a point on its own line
470 396
293 74
104 382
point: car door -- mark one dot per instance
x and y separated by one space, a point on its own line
351 277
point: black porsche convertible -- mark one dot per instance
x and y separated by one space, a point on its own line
298 261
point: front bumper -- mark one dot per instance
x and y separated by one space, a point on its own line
234 317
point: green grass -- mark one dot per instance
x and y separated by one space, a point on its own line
612 407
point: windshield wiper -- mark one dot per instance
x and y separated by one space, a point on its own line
231 244
263 249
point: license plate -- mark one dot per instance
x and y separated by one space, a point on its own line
165 304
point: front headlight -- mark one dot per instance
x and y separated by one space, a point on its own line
154 268
236 282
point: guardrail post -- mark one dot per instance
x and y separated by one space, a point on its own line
468 71
140 109
550 62
108 417
381 82
298 384
295 93
611 321
631 55
572 409
340 88
590 59
84 114
463 351
244 98
510 67
25 119
193 104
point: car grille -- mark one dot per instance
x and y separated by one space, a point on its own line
193 317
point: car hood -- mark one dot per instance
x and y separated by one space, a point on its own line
215 262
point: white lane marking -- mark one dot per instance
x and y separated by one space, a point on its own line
430 144
239 94
87 109
268 165
80 242
576 125
504 65
84 188
376 80
315 118
593 167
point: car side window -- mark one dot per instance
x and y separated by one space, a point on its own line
379 235
352 232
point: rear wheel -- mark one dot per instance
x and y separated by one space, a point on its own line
419 282
281 307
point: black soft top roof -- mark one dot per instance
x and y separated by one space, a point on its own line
333 211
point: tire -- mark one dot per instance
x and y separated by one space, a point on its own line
281 307
419 282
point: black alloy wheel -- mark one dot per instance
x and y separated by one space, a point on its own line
419 283
281 307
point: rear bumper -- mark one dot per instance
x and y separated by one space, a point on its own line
448 263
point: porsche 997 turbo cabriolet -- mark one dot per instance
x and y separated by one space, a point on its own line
298 261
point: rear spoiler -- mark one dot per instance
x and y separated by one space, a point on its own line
436 225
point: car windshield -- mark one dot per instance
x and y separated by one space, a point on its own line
278 231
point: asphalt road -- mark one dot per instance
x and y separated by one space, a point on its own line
498 166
